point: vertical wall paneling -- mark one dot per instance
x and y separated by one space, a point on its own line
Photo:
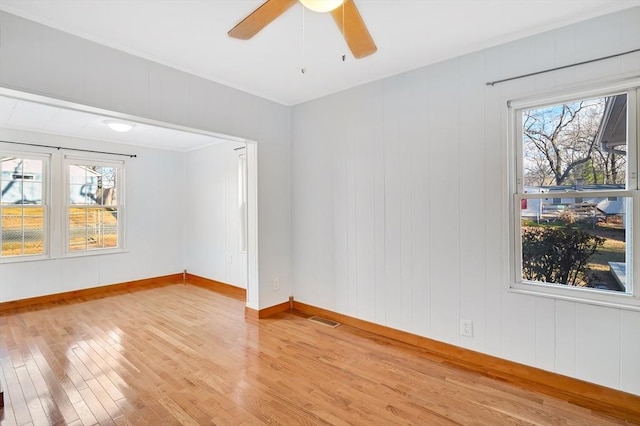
565 338
439 195
406 138
629 350
211 186
406 96
62 66
598 334
337 136
494 145
519 328
41 60
350 139
200 109
168 94
365 138
444 191
393 164
113 79
629 34
271 130
322 192
545 333
25 70
379 216
545 52
472 199
306 188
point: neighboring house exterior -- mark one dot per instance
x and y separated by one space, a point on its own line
556 204
25 187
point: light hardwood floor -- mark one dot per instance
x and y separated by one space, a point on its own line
181 354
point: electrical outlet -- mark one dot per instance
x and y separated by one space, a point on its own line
466 328
229 258
276 284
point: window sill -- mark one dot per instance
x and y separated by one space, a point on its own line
21 259
10 260
609 299
96 252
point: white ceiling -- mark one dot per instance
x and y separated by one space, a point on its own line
191 35
51 119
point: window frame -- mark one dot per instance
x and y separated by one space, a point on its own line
627 300
46 205
119 165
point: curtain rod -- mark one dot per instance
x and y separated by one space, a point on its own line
70 149
492 83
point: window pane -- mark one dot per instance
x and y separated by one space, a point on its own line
78 194
578 145
92 185
21 181
77 229
93 228
576 243
22 213
22 231
33 230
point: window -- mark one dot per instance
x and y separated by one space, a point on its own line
94 205
23 205
52 205
575 195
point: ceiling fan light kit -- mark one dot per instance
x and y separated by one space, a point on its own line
321 5
344 13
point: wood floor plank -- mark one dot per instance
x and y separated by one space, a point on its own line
85 414
31 397
182 354
51 408
56 390
95 405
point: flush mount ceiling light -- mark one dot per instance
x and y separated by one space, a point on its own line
321 5
119 126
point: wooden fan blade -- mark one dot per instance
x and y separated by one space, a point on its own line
260 18
354 30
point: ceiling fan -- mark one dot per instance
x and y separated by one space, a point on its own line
344 13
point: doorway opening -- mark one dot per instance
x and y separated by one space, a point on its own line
50 116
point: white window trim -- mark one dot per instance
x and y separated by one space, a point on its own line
629 301
93 161
242 201
46 204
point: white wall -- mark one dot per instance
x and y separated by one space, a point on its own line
38 59
399 206
153 225
213 229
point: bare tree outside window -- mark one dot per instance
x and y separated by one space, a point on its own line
560 146
569 150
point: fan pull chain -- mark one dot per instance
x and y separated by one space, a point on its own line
343 33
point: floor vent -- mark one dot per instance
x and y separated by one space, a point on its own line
324 321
